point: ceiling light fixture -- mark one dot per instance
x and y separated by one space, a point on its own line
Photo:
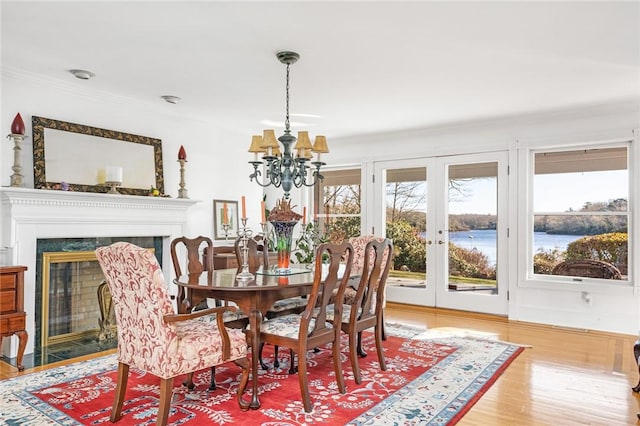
171 99
82 74
283 169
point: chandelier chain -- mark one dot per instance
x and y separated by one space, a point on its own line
286 121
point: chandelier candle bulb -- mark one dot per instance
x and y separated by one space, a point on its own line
256 147
114 174
320 147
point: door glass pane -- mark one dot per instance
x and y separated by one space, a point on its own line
581 216
472 227
406 224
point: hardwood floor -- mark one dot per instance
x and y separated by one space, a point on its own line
566 377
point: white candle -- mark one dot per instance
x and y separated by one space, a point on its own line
114 174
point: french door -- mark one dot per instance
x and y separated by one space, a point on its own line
447 217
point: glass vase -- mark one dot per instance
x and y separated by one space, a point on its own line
283 242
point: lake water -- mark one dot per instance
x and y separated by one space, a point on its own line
485 241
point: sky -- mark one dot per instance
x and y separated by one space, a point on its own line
552 192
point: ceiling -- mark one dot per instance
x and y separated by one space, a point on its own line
365 67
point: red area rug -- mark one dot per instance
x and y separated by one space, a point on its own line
431 381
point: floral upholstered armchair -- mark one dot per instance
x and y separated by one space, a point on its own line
152 338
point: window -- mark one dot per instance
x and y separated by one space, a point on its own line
339 196
581 213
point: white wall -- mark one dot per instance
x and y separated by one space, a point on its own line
612 308
217 159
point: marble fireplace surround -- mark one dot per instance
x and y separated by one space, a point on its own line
31 214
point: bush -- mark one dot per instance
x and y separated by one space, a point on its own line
611 248
469 263
409 247
545 261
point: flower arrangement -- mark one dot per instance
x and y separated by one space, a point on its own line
283 212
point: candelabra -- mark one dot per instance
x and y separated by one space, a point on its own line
17 179
182 192
245 234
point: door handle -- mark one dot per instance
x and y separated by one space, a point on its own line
440 242
429 242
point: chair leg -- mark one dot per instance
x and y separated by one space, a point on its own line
337 365
166 389
121 387
353 355
384 333
292 362
188 382
243 363
276 363
361 352
304 384
212 385
379 333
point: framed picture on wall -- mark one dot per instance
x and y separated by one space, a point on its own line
225 212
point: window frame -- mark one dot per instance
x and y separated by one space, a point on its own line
318 196
583 283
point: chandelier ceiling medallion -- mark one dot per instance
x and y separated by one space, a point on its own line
282 167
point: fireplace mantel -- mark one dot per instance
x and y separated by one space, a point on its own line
43 197
31 214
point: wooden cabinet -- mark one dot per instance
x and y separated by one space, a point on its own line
226 260
12 315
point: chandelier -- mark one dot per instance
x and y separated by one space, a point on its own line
282 167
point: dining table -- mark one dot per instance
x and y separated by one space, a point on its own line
253 296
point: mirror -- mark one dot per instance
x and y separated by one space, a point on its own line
80 155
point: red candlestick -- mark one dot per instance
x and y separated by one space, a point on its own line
17 126
182 154
244 208
264 213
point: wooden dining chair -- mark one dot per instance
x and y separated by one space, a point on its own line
152 338
199 257
365 310
359 244
308 330
257 256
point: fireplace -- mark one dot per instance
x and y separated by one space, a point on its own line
31 217
68 279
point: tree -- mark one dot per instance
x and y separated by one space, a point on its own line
405 197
